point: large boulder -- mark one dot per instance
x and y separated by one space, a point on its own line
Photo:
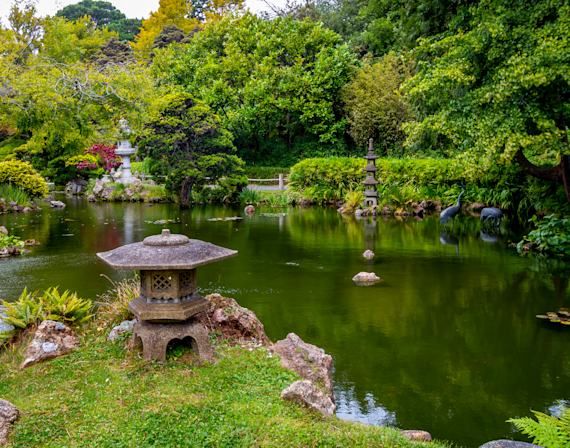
129 192
99 185
58 204
508 444
233 321
306 394
77 185
52 339
107 192
307 360
8 415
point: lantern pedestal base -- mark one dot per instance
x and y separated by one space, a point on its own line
168 312
154 338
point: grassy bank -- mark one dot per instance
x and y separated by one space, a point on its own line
105 395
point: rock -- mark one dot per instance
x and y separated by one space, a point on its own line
4 327
368 254
416 434
107 192
386 210
508 444
91 198
12 204
8 415
419 211
250 209
48 199
32 242
477 206
124 327
18 208
144 194
129 192
6 251
52 339
232 320
99 185
3 230
27 209
77 185
366 277
358 212
57 204
309 361
305 393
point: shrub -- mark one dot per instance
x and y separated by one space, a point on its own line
24 176
551 237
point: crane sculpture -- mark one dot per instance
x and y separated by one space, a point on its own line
450 213
492 214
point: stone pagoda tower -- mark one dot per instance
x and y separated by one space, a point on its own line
370 182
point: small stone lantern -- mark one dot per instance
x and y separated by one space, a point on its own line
370 193
169 299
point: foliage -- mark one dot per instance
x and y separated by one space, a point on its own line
250 196
22 175
113 52
498 86
375 106
191 141
353 199
547 431
105 156
113 305
24 311
8 145
11 193
65 307
184 15
272 82
62 108
265 172
551 236
68 42
24 36
10 241
104 15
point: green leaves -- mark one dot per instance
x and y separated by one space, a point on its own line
547 431
551 237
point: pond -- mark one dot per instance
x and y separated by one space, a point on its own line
448 342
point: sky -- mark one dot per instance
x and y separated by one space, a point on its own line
131 8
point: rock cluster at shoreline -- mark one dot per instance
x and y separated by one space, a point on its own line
14 207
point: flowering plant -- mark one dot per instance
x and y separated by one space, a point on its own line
106 158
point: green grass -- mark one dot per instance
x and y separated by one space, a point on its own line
104 395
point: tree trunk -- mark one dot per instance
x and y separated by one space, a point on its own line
559 173
186 191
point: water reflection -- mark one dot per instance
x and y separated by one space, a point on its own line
449 239
444 344
491 235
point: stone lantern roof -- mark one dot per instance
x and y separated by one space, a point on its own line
165 252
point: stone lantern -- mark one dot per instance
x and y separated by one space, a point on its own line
370 193
168 298
125 150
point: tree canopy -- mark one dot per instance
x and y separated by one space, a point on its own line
268 80
104 15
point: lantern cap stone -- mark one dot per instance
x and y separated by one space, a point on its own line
165 252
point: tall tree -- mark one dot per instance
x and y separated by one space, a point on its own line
500 88
193 143
103 14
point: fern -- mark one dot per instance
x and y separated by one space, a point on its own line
547 431
24 311
66 307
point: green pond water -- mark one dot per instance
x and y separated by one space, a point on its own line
448 342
